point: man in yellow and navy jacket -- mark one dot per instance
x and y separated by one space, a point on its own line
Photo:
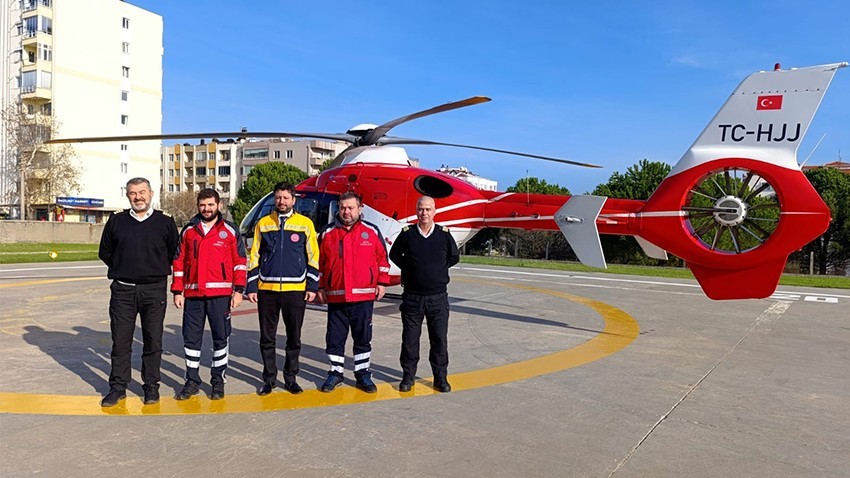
283 275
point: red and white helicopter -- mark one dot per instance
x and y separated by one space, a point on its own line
712 210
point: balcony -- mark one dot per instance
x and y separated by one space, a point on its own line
32 92
29 5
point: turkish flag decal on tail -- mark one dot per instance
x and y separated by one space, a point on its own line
770 102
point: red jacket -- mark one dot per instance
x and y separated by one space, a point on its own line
210 265
352 263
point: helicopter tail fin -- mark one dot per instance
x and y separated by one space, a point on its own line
577 221
737 203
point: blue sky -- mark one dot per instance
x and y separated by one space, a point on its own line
608 83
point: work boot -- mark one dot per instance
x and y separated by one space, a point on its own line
217 391
113 397
331 383
151 394
442 385
365 383
190 389
406 383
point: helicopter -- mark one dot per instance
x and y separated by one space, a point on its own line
733 208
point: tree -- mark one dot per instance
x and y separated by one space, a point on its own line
261 181
639 182
181 206
535 244
832 248
325 164
42 171
535 185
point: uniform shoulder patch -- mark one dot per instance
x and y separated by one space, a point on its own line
445 229
405 228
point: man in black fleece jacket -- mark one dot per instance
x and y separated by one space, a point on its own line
424 253
138 246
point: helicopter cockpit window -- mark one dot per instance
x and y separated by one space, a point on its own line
431 186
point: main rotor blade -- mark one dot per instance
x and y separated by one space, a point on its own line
395 140
374 136
242 134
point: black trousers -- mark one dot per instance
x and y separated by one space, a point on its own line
435 310
356 316
270 305
148 301
197 311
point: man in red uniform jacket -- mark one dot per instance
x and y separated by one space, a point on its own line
209 271
354 272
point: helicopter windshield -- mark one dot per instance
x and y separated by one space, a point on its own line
319 207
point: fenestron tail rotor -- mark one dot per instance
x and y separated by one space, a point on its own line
732 211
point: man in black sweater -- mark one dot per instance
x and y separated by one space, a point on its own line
138 246
424 253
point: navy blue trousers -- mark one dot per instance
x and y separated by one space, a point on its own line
357 317
196 311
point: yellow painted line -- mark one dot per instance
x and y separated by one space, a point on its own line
48 281
619 331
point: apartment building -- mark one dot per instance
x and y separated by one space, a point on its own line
225 165
96 67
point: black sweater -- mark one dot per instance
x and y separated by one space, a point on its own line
139 252
424 262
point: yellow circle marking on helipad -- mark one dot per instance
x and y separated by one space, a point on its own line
620 330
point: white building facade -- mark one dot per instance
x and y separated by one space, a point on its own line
96 67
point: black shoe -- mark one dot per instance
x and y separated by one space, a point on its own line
151 394
366 384
190 389
292 387
217 391
331 383
267 389
113 397
406 384
442 385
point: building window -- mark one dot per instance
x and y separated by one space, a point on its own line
45 52
30 109
202 156
171 188
212 155
171 157
288 154
125 147
124 95
47 109
123 190
124 167
247 170
225 155
170 173
125 71
201 171
277 155
125 119
224 170
125 47
255 153
125 22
